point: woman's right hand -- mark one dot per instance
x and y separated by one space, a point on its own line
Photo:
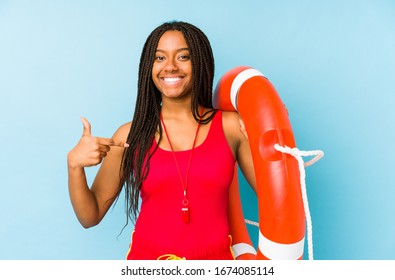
90 150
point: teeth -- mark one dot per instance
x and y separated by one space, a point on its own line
170 80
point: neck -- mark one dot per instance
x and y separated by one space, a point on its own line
176 109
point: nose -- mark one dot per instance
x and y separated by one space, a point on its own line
171 65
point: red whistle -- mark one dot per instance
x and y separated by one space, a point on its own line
185 214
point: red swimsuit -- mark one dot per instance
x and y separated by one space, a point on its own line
160 229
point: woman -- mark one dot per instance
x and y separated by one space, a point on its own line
178 154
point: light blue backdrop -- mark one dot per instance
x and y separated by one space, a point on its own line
333 63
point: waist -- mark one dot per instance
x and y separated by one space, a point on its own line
143 249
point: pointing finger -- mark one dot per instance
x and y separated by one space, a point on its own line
87 126
111 142
120 144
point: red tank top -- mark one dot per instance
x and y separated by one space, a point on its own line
211 172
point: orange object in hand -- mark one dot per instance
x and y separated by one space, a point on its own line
280 205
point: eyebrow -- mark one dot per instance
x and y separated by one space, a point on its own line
179 50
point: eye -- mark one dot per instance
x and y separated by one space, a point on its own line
184 57
159 58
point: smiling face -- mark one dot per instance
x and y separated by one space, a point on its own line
172 68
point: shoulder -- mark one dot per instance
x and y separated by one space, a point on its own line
231 128
230 121
122 132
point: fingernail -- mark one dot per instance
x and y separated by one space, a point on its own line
82 120
126 145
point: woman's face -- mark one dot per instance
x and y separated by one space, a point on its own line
172 68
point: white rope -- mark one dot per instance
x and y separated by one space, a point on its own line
253 223
296 153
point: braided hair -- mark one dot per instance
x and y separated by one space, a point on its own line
146 120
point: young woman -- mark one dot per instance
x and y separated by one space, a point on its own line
178 154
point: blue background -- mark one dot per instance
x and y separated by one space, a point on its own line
332 62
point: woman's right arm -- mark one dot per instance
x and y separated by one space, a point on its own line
91 204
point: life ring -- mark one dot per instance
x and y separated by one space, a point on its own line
281 210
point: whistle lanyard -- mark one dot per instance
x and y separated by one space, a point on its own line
185 201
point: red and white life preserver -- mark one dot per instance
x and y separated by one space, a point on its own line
281 208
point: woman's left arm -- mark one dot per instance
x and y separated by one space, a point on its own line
238 141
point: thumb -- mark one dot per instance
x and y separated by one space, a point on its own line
87 126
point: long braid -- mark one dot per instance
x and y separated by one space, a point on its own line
202 71
146 121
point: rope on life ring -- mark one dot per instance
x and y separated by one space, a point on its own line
281 187
298 154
